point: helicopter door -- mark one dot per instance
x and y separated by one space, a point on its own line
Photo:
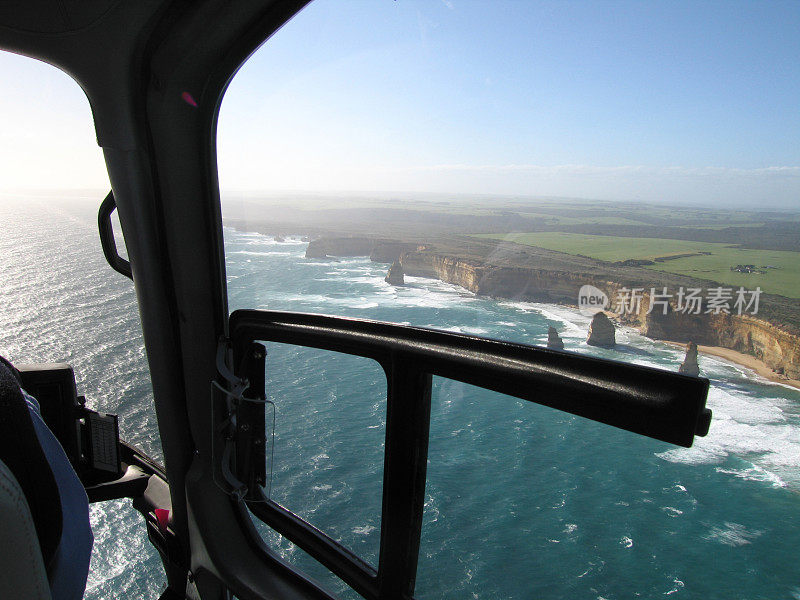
654 403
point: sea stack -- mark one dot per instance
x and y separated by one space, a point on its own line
395 274
554 341
689 365
316 249
601 332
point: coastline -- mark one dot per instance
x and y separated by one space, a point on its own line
739 358
451 272
743 360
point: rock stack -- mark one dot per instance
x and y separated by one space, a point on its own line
601 332
689 365
554 341
395 274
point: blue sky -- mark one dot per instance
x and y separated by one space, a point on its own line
685 102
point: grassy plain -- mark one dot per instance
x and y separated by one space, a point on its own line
715 238
714 263
723 226
554 219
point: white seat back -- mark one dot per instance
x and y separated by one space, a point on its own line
22 572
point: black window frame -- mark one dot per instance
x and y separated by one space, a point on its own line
652 402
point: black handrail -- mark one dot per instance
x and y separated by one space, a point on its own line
109 245
652 402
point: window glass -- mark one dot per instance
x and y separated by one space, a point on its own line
523 501
618 180
325 426
59 299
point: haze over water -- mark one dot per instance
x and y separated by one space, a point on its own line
522 501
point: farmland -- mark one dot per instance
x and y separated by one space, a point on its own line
779 271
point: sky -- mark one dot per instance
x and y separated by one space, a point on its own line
658 101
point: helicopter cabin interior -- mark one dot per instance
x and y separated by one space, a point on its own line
137 62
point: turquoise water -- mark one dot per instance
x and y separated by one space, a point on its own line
522 501
60 302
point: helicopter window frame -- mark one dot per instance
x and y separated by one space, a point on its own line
652 402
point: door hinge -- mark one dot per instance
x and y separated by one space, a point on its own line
239 447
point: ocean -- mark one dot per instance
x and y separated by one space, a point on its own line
521 501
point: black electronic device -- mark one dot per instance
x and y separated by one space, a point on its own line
90 439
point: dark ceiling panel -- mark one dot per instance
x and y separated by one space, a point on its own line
52 16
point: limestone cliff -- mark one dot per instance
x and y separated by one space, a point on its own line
388 251
776 346
540 285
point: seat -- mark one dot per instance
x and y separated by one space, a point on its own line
55 502
23 572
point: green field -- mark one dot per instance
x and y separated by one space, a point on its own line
551 219
722 226
716 265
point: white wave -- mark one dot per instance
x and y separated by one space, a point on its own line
754 473
466 329
476 330
365 279
364 529
573 320
460 329
439 286
321 303
716 367
525 307
569 317
751 428
678 584
424 300
359 270
366 305
342 261
291 241
305 298
253 237
264 253
732 534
